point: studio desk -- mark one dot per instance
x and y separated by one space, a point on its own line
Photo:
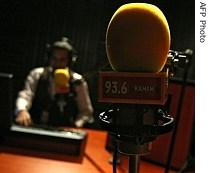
93 158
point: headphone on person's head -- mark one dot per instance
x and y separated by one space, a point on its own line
66 44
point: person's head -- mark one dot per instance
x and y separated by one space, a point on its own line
61 53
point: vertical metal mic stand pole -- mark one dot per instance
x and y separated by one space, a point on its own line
133 149
134 163
134 160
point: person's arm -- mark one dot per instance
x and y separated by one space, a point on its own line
85 109
25 97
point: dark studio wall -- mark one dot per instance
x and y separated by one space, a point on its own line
27 26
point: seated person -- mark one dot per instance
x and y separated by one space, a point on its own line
43 101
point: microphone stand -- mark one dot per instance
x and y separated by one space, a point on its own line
134 146
134 127
179 108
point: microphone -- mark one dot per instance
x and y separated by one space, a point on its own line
61 80
137 46
138 38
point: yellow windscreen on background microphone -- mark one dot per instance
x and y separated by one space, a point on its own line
138 38
61 77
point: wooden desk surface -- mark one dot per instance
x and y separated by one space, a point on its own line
95 160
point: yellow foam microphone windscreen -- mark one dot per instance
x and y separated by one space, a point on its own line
61 77
138 38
